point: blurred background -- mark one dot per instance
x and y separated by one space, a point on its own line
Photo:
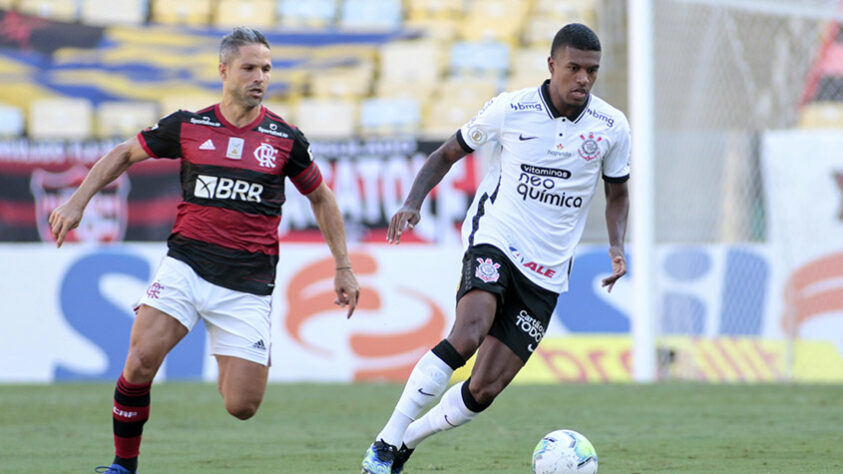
747 166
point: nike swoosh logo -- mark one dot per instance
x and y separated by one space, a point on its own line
446 421
530 347
523 138
426 394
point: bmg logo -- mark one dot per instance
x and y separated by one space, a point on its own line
214 187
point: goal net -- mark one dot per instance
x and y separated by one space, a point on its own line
748 103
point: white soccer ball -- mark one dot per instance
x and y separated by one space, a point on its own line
564 452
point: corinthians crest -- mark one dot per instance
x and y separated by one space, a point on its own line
105 216
487 270
589 148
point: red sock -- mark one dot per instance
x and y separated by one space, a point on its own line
131 410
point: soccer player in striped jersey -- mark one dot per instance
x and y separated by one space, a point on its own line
223 250
551 146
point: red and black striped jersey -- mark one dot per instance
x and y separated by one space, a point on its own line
232 181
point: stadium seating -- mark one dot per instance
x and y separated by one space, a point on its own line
326 118
389 116
63 10
342 82
171 102
60 118
255 13
310 13
114 12
487 58
441 59
122 119
11 121
371 14
184 12
436 10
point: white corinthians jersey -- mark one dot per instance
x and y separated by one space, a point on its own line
533 203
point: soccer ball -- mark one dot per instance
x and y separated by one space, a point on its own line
564 452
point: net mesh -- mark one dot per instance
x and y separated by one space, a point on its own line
725 72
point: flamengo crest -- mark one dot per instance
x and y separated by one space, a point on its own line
265 155
487 270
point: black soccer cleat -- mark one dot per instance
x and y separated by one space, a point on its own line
400 458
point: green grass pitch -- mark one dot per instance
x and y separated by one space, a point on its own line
316 428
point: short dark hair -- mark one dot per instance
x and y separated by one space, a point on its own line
239 36
575 35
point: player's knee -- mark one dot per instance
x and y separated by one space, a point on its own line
141 366
242 410
485 392
465 342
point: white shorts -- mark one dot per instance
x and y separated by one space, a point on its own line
237 322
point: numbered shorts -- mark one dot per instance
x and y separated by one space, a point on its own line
524 308
237 322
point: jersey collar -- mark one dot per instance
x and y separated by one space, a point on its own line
248 126
544 93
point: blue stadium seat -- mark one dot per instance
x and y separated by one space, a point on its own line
374 14
312 13
388 116
479 58
11 121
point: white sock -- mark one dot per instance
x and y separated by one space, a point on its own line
426 383
449 413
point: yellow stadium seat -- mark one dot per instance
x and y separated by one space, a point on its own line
326 118
60 118
191 102
515 11
467 90
540 30
524 81
491 29
445 116
581 11
530 61
62 10
417 61
184 12
309 14
434 9
253 13
821 115
421 91
123 119
443 31
111 12
281 108
347 82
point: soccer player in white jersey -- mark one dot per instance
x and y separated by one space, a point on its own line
554 143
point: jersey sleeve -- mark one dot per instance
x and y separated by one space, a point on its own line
616 162
302 170
163 140
484 127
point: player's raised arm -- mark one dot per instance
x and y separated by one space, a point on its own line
435 167
108 168
617 210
